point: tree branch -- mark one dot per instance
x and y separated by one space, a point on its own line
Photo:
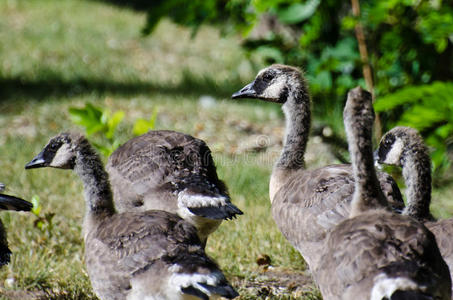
366 67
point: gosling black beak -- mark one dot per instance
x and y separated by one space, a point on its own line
246 92
8 202
377 163
376 156
37 162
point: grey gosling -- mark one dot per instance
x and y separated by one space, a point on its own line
133 255
8 202
170 171
377 254
404 147
306 204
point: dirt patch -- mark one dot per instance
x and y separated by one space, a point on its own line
277 283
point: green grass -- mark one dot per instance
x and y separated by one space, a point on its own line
59 54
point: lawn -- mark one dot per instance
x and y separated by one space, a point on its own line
60 54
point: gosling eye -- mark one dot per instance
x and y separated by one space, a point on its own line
268 77
54 146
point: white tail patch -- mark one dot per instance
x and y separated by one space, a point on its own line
178 280
196 200
384 286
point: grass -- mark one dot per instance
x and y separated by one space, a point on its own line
60 54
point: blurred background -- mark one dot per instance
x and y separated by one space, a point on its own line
115 68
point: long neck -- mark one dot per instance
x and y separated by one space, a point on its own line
367 192
417 176
298 116
98 194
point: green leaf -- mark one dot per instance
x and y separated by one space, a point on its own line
421 117
323 79
142 126
105 150
113 122
36 205
298 12
438 92
89 117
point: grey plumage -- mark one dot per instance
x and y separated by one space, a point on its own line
306 204
134 255
404 147
174 172
375 253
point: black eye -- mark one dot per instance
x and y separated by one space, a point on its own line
389 141
268 77
54 146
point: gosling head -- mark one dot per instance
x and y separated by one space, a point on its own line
358 111
396 143
273 84
60 152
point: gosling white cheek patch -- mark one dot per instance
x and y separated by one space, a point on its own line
393 156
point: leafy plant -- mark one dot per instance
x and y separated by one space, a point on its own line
409 43
96 120
43 222
142 126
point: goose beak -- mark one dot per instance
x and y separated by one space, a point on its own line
37 162
13 203
246 92
377 164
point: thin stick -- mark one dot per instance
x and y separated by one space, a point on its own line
366 67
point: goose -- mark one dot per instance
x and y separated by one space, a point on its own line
8 202
133 255
377 254
404 147
170 171
305 203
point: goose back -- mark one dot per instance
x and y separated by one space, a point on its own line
404 147
442 230
133 255
315 201
306 203
170 171
375 253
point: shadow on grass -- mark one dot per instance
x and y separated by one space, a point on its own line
40 89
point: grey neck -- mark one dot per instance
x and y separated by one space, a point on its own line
416 165
98 194
298 116
367 192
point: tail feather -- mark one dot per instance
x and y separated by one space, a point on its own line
208 204
226 212
225 290
191 290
